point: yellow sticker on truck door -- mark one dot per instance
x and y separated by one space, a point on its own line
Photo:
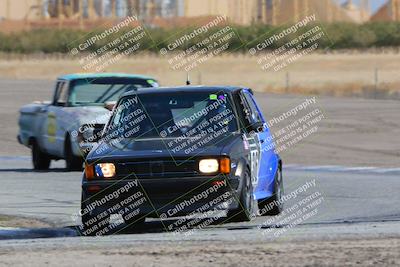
51 127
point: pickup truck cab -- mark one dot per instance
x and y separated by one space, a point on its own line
180 151
81 104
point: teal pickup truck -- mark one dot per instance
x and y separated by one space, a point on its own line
63 127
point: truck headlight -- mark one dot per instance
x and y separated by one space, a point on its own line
106 170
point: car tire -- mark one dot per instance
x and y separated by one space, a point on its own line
264 205
245 211
40 160
73 163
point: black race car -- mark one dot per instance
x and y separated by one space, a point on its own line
186 151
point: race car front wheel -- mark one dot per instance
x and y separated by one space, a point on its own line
244 213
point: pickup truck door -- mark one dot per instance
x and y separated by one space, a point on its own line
267 161
53 133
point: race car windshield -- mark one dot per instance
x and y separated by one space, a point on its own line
96 92
173 115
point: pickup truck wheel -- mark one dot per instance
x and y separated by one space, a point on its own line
73 163
40 160
244 213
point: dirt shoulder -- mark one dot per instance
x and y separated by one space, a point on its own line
362 252
17 222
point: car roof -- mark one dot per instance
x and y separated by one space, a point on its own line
185 89
75 76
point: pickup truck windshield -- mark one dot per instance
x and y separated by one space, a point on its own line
85 92
173 115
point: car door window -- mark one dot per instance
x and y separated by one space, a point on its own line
245 111
256 107
255 116
61 96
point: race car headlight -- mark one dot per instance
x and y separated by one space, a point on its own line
208 166
221 165
106 170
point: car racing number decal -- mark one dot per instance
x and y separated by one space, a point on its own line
255 156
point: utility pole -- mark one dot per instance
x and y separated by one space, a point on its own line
287 82
376 79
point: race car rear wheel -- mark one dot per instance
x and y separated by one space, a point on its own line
40 160
244 213
273 205
73 163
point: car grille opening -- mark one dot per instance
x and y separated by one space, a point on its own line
167 168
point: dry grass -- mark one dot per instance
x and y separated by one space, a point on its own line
331 74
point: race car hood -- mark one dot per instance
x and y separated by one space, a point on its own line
159 148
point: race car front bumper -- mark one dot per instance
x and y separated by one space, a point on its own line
165 198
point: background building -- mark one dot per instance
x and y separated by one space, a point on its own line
388 12
163 12
21 9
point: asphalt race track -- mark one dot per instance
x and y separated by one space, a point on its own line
354 217
361 199
355 132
